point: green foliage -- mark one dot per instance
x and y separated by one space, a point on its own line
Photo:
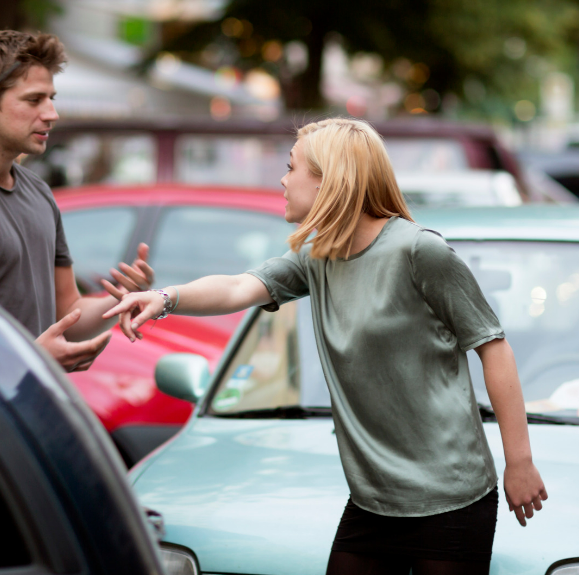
490 53
37 12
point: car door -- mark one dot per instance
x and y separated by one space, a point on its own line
65 505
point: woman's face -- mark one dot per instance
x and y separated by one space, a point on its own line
301 187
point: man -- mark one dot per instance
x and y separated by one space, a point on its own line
37 284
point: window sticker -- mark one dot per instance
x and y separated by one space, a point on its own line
234 388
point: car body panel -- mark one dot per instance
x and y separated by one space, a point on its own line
230 489
529 222
478 143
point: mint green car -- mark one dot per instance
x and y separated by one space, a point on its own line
253 483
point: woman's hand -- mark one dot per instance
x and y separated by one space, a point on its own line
134 310
524 490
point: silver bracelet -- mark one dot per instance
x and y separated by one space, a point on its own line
168 306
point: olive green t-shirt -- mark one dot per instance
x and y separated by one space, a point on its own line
393 324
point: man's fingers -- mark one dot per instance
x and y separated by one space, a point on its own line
125 281
83 366
147 270
537 503
143 252
543 494
115 292
85 350
66 322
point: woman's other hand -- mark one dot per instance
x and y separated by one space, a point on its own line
524 490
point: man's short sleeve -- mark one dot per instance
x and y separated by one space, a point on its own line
450 289
284 279
62 256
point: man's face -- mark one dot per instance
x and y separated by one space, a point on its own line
27 113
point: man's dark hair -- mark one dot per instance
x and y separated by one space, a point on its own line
21 50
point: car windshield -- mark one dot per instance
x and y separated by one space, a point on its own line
532 286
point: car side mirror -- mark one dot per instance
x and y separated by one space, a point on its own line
183 375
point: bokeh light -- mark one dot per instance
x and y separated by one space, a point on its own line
418 73
272 51
261 85
220 108
356 106
247 48
514 48
167 63
415 104
227 77
232 27
525 110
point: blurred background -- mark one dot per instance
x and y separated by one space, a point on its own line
208 91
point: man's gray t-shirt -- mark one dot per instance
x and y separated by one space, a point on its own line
393 324
33 243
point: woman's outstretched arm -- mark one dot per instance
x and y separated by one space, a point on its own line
211 295
523 485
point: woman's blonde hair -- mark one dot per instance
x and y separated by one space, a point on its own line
357 178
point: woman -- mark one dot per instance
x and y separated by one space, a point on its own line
394 311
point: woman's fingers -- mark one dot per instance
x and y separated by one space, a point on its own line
125 325
125 305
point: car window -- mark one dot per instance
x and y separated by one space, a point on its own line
261 160
277 365
429 154
193 242
239 161
105 157
97 239
533 287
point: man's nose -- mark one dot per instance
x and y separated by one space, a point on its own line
49 113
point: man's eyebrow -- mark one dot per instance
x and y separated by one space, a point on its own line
39 93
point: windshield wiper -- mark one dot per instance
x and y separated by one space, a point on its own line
284 412
487 414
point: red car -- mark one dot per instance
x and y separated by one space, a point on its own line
192 232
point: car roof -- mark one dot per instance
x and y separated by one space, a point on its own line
93 196
529 222
398 127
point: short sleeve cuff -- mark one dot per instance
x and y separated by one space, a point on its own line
63 261
274 305
479 342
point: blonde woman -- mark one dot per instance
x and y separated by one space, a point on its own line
394 311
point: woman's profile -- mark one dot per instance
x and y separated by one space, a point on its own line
394 310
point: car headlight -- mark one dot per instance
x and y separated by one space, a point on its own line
564 569
178 561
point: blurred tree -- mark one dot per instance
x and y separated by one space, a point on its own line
26 14
479 48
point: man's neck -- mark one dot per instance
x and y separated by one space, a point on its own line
6 177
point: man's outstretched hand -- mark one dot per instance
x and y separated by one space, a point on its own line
137 277
72 356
